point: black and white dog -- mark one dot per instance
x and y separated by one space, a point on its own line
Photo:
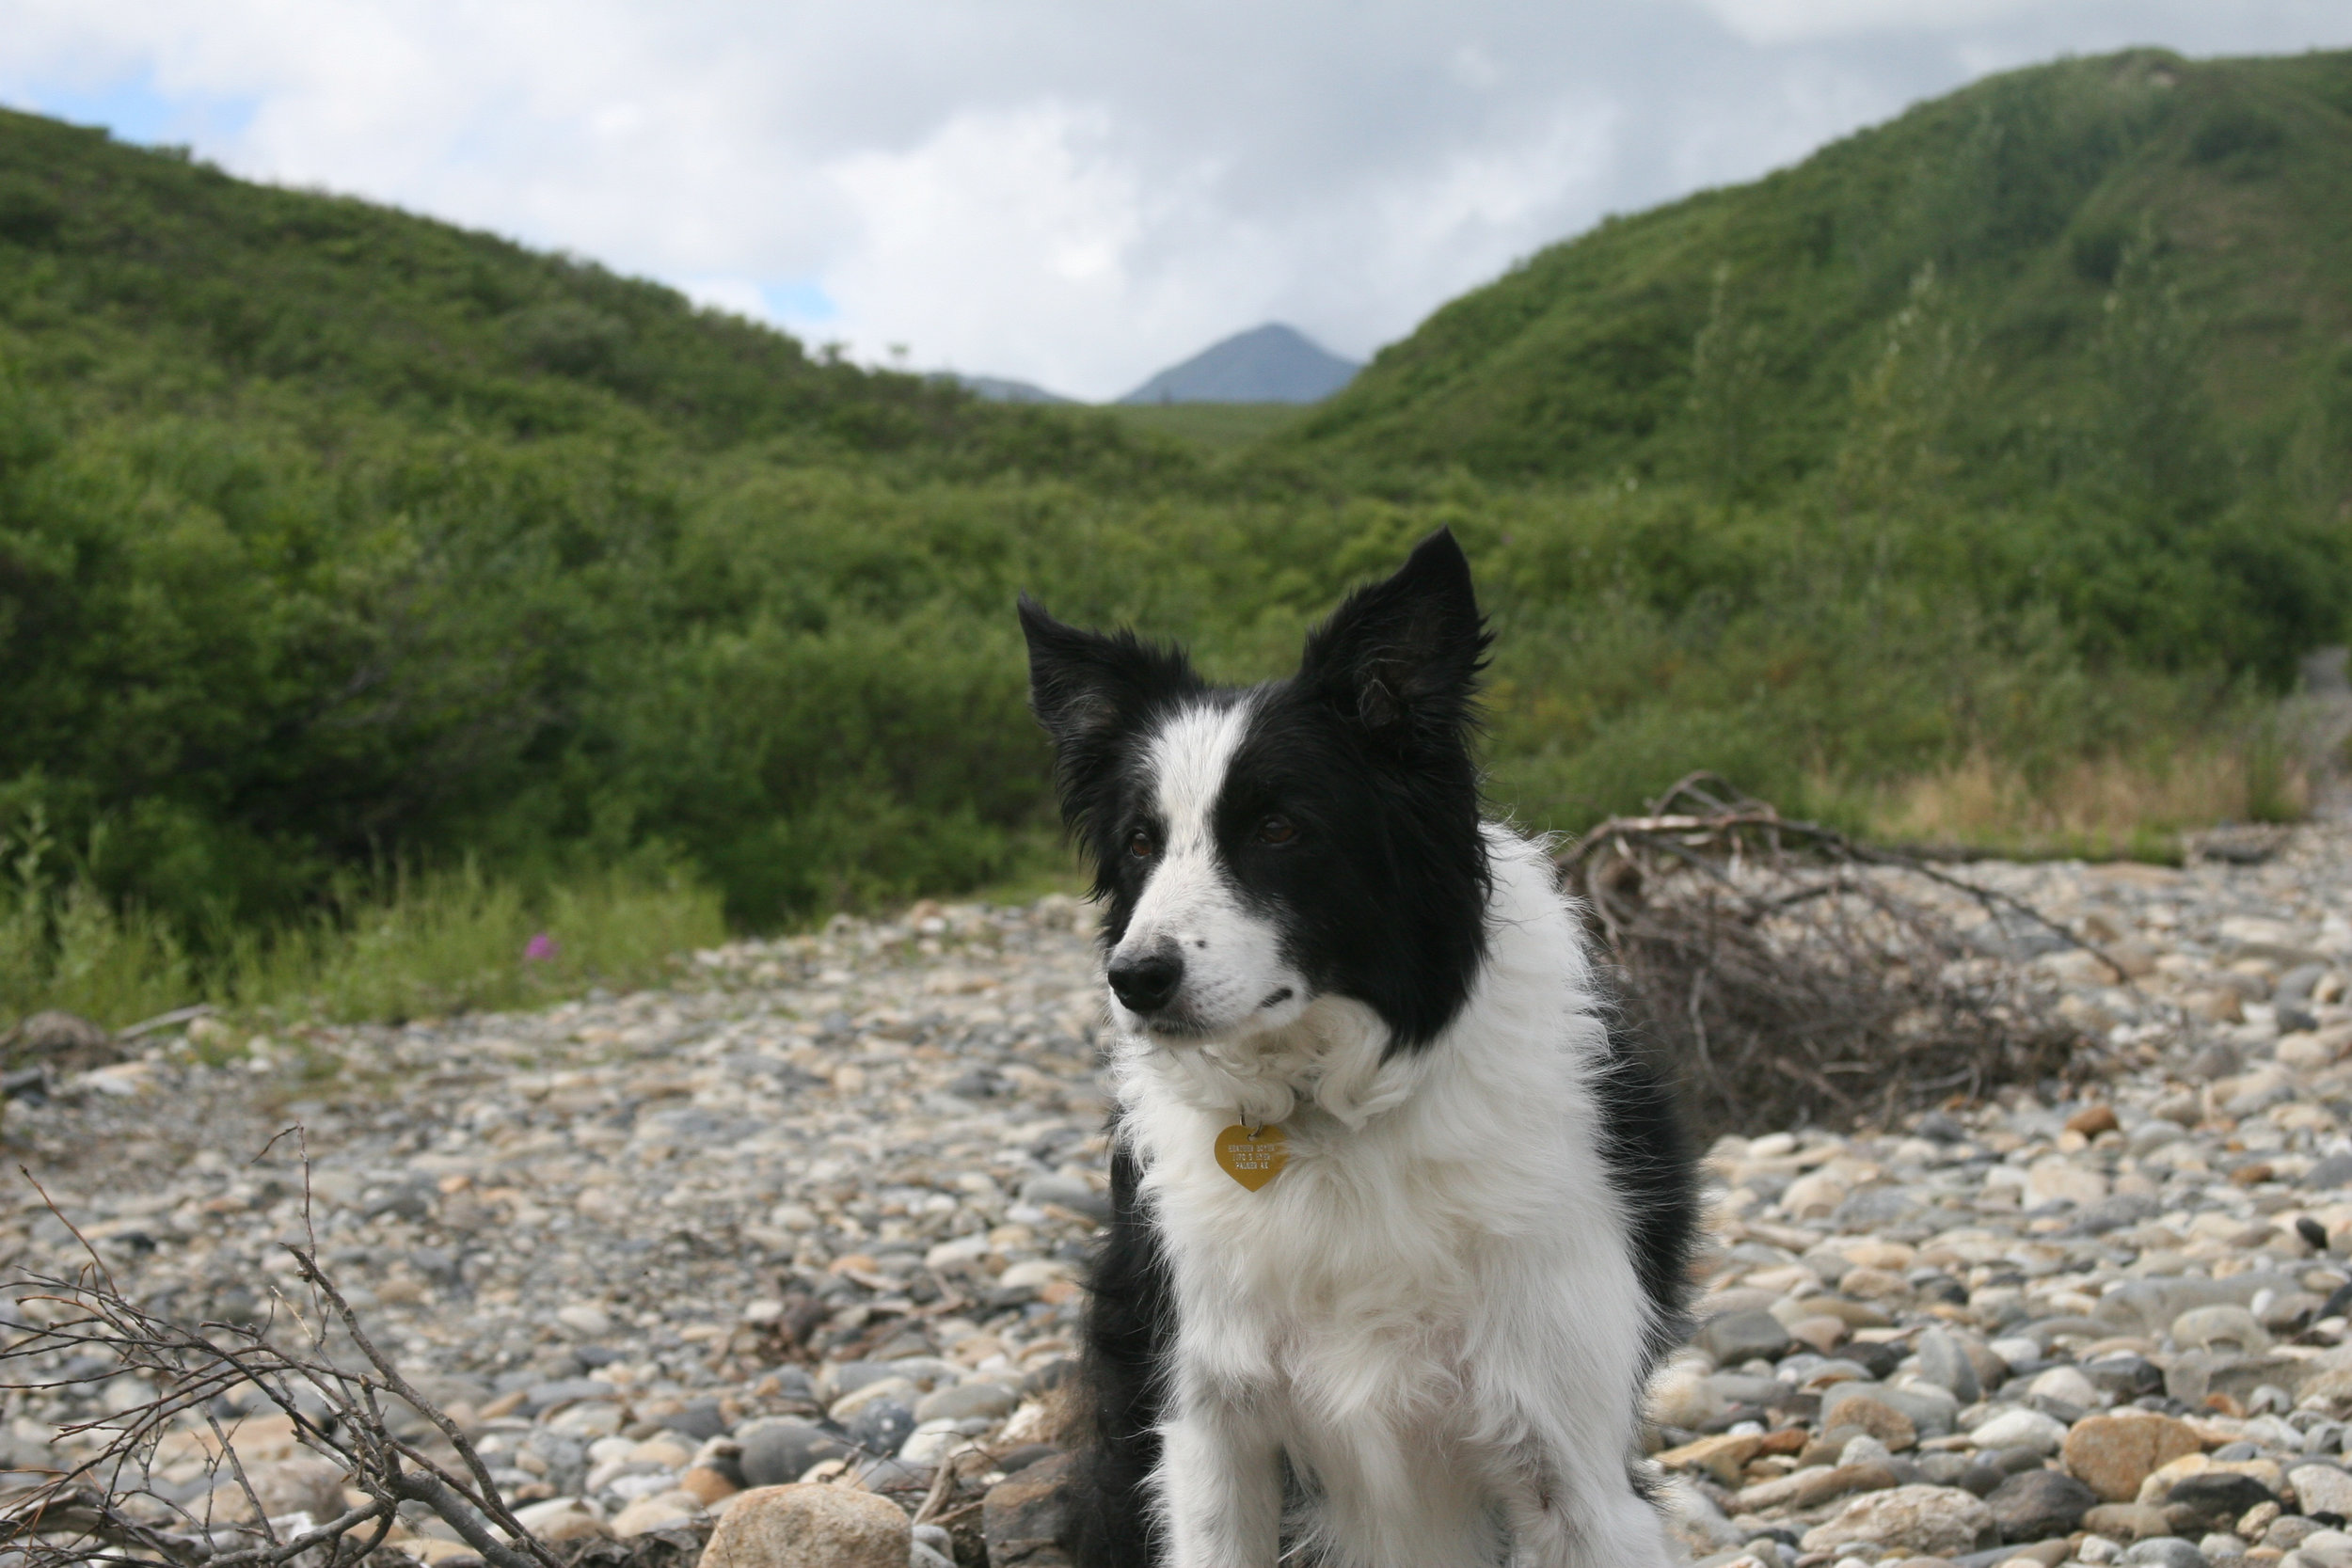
1399 1222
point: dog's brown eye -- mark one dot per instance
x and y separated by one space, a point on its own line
1277 830
1139 844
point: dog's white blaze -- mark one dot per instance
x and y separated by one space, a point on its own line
1232 959
1433 1309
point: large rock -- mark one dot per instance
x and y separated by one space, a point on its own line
810 1527
1934 1521
1023 1517
2113 1454
2035 1505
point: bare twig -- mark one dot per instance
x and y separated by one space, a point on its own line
164 1020
111 1508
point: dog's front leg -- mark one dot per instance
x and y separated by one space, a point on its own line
1571 1506
1220 1486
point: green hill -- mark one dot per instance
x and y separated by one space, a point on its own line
2206 203
137 280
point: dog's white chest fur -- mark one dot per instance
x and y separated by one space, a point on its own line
1431 1316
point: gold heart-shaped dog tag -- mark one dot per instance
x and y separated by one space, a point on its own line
1252 1157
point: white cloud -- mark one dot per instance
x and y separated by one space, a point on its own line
1020 216
1062 191
1770 21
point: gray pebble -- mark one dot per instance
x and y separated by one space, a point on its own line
965 1401
1739 1337
881 1427
2036 1504
1067 1192
779 1451
1943 1363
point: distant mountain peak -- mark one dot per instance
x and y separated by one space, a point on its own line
1273 363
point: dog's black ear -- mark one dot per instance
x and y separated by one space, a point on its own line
1087 687
1402 657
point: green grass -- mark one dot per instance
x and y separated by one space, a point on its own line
1220 427
404 945
459 942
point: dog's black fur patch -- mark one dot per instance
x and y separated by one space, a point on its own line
1131 1322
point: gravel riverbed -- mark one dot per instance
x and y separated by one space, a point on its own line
823 1207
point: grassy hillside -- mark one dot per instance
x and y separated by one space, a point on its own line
133 280
2208 205
364 580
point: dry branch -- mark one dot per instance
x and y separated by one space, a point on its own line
1791 977
110 1507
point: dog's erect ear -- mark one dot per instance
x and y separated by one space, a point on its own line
1084 686
1402 657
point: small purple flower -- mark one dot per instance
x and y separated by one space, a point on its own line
540 948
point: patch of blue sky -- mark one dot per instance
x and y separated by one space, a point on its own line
133 109
802 299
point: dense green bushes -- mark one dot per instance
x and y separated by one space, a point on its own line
239 665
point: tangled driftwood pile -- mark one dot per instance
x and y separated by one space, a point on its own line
1791 977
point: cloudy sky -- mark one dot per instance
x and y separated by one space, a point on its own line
1067 191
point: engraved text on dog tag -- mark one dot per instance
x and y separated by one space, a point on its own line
1252 1157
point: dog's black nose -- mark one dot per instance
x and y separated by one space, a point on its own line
1146 982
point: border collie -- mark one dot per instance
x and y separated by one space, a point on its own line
1399 1221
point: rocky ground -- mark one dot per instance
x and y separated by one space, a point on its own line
821 1208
